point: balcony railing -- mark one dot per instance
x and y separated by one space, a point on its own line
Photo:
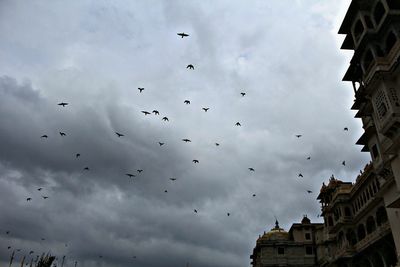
380 231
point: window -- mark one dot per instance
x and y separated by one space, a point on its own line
374 150
379 11
308 236
390 41
281 251
309 250
361 232
370 224
347 211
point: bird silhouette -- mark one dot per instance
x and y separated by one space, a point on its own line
190 66
7 232
139 171
31 252
195 211
238 124
182 34
161 143
187 102
45 197
44 136
134 257
156 112
243 94
186 140
62 104
29 199
8 247
308 158
165 191
344 163
140 89
195 161
145 112
86 168
345 129
298 135
205 109
217 144
62 134
228 214
119 134
43 239
39 189
254 195
130 175
309 191
300 175
251 169
77 155
165 119
172 179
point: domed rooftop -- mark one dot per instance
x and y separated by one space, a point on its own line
276 233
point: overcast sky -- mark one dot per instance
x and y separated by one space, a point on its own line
284 54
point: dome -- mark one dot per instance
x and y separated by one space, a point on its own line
274 234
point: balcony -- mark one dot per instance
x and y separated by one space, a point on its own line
371 238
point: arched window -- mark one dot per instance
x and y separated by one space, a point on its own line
340 238
351 237
358 30
370 224
381 216
330 221
390 41
368 57
379 11
347 211
360 232
393 4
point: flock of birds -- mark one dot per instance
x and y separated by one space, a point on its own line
132 175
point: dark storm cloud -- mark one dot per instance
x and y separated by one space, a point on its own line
283 55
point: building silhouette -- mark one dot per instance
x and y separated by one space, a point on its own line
362 220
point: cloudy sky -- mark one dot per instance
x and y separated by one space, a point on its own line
284 54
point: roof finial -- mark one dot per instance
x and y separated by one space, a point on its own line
276 223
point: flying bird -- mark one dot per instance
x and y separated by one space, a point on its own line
187 102
39 189
145 112
243 94
308 158
345 129
119 134
344 163
205 109
298 135
195 161
43 239
140 89
161 143
8 247
309 191
217 144
7 232
165 119
45 197
182 34
300 175
139 171
77 155
62 104
165 191
130 175
228 214
86 168
238 124
254 195
251 169
62 134
195 211
156 112
172 179
190 66
186 140
44 136
29 199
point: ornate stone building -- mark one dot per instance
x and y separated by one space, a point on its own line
361 220
294 248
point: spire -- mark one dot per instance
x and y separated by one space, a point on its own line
276 224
